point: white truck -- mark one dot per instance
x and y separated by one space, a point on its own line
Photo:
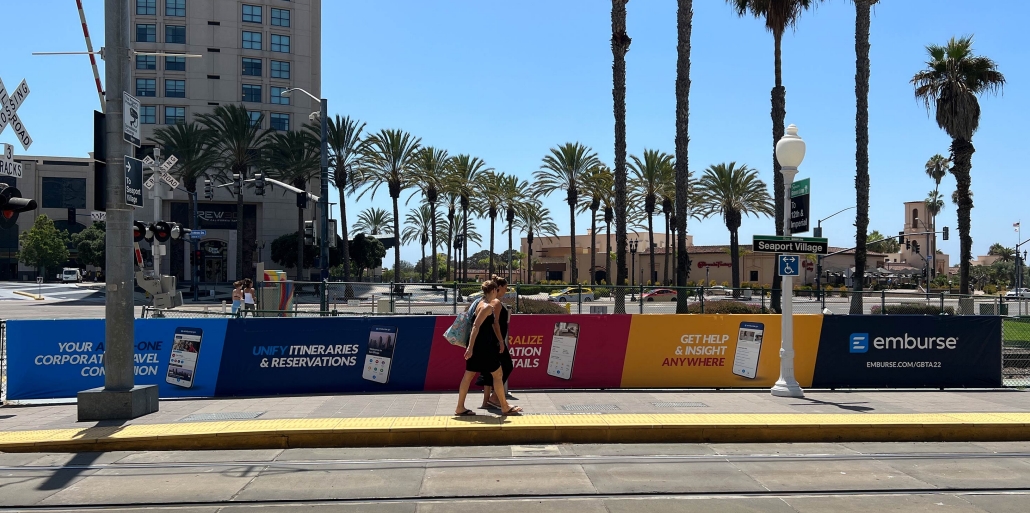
70 275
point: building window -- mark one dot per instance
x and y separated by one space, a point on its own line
279 121
753 276
278 98
63 192
175 115
251 13
251 40
175 88
146 33
251 67
173 63
251 93
280 18
280 43
146 7
175 34
175 8
280 69
146 87
148 114
146 62
255 118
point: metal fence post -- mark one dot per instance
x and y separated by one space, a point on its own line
516 298
454 300
579 300
641 297
883 302
703 299
942 303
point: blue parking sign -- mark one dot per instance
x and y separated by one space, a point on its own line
788 265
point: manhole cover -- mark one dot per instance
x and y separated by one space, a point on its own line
590 407
235 415
674 404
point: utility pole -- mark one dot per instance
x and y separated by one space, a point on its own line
119 398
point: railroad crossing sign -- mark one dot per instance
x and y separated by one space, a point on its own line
161 172
8 166
788 265
778 244
9 105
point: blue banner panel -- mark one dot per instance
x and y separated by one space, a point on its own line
325 355
909 351
51 359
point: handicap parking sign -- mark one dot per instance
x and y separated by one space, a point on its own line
788 265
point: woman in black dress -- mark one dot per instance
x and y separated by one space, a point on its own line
502 316
483 353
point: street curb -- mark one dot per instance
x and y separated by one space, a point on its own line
26 294
530 429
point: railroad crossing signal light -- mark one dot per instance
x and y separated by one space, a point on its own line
161 231
139 231
945 233
179 232
209 190
259 184
11 204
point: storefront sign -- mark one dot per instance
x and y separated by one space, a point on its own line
702 265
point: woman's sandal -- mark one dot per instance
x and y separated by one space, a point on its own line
514 410
466 413
490 404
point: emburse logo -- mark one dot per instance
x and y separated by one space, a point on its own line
860 342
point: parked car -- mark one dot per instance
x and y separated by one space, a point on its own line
1022 293
717 290
572 294
70 275
660 295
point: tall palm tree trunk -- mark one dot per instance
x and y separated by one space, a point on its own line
422 271
511 221
450 239
684 21
573 278
239 226
593 246
608 253
396 241
491 255
465 241
861 148
344 243
620 45
300 244
529 256
668 251
962 154
433 274
650 248
779 112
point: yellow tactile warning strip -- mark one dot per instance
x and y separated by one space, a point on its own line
487 430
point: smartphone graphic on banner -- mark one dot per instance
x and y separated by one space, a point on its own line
182 364
749 348
563 349
382 340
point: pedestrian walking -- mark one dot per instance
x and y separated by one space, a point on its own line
483 354
237 297
502 317
249 297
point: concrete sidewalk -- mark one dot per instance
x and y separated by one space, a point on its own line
551 416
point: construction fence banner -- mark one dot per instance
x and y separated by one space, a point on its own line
269 356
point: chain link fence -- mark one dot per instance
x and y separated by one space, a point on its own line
1015 369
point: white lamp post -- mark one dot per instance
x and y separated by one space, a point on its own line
790 151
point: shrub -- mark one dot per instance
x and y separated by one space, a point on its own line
529 290
600 292
725 307
912 309
535 306
990 289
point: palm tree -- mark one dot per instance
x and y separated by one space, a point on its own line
862 21
668 200
237 139
936 168
293 157
620 46
388 157
951 82
488 190
346 148
597 183
428 174
733 192
684 23
650 178
563 170
191 144
778 16
465 171
462 240
452 200
418 224
514 193
374 221
534 219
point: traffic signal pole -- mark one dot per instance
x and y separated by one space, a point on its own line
119 398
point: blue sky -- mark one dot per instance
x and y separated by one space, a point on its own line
506 83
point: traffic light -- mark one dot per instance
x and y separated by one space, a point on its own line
309 232
161 231
139 231
302 200
209 190
945 233
196 257
11 204
816 232
901 238
908 244
71 216
915 247
236 183
259 184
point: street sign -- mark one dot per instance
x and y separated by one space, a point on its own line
777 244
800 198
130 119
9 104
196 234
97 216
133 182
170 180
8 166
39 280
788 265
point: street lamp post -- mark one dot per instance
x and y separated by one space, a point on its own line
633 271
323 244
790 151
818 232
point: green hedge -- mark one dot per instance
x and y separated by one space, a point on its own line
535 306
913 309
724 307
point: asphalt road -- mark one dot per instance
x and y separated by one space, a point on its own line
958 477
